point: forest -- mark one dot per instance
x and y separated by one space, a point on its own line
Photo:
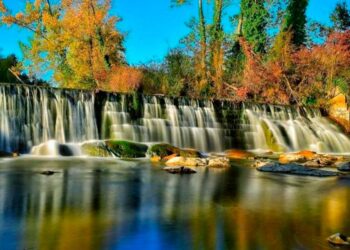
274 54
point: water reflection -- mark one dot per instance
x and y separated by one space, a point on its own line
94 204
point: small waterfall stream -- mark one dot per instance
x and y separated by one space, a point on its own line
30 116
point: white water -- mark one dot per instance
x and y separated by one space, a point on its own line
30 116
293 129
185 125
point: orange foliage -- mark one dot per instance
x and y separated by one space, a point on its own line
295 76
124 79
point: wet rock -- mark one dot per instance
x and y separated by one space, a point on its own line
295 169
260 163
155 158
219 162
127 149
191 153
54 148
236 154
345 167
188 162
339 240
162 150
180 170
292 157
48 172
167 158
96 149
7 154
322 161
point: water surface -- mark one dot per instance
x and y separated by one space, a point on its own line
107 204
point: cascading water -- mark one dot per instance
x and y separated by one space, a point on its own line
290 129
30 116
187 124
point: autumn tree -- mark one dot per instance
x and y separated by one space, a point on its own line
75 40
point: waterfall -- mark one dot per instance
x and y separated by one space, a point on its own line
292 129
188 124
30 116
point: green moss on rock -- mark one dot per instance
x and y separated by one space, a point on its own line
163 150
126 149
96 149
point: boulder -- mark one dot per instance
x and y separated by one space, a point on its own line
260 163
295 169
309 155
188 162
6 154
345 167
219 162
155 158
48 172
127 149
292 157
236 154
54 148
191 153
339 240
321 161
96 149
162 150
180 170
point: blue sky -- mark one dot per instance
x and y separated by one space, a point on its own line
152 27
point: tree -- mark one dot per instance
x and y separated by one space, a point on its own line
341 17
254 17
76 40
295 21
203 43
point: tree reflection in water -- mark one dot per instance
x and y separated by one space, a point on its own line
95 204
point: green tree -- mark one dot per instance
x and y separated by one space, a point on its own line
295 21
6 64
203 43
341 16
254 18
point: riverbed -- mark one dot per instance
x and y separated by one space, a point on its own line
92 203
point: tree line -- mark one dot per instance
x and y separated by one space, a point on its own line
275 54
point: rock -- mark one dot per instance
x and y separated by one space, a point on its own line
163 150
236 154
155 158
126 149
48 172
259 163
188 162
191 153
167 158
345 167
7 154
339 240
54 148
292 157
219 162
321 161
180 170
96 149
296 170
309 155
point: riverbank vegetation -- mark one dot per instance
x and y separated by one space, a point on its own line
274 53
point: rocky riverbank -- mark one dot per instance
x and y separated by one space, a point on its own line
186 160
